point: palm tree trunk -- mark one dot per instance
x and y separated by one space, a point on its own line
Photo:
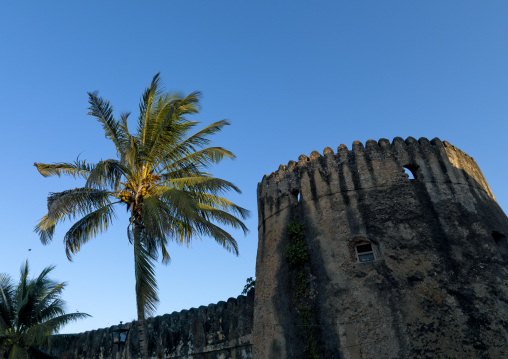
143 343
143 339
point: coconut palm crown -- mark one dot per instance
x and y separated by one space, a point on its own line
30 312
159 175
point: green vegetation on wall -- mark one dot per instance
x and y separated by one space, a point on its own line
297 255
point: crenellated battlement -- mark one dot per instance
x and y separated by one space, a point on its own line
370 146
375 164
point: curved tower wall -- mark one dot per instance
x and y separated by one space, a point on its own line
439 284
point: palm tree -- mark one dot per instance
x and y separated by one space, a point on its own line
30 313
160 176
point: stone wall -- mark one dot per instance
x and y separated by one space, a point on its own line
438 287
218 331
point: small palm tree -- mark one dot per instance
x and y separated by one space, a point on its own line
30 313
160 176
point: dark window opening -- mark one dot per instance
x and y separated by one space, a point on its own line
295 196
501 245
497 235
413 172
365 253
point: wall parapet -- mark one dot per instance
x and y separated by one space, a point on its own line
222 330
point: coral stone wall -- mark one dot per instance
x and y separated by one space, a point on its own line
438 287
218 331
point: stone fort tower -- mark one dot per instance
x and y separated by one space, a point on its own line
390 267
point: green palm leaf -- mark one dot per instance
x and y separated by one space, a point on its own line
200 159
194 142
167 126
106 174
30 313
146 284
76 169
88 227
145 106
67 205
199 185
7 312
103 112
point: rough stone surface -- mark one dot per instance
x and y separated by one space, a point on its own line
218 331
439 285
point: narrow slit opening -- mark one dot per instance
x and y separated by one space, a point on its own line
295 196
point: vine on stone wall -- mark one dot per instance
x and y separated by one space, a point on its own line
297 255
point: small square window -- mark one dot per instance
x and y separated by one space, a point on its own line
365 253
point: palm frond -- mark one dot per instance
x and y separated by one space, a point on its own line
199 184
187 170
168 127
78 168
145 106
7 292
77 201
103 112
22 296
53 325
177 214
51 309
222 204
157 226
178 200
45 229
211 213
49 305
220 236
200 138
132 154
130 236
127 136
146 284
67 205
106 174
174 225
152 215
194 142
87 228
190 219
201 159
196 189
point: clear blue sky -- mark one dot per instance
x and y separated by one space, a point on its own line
292 76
